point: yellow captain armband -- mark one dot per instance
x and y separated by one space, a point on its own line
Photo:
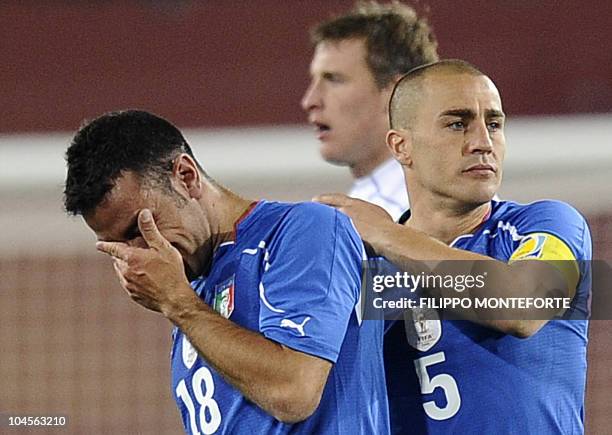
546 247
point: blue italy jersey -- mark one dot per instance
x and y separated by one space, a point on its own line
458 377
293 274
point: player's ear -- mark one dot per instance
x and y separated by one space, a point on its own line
400 145
186 174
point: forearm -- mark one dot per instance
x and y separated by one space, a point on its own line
500 282
417 253
265 372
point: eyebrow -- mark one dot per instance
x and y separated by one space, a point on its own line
469 114
494 113
459 113
125 234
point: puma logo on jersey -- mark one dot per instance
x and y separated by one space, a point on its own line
287 323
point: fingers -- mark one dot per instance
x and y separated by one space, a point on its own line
149 230
333 199
137 242
151 237
120 267
114 249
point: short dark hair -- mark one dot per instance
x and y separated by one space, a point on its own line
114 143
396 38
407 90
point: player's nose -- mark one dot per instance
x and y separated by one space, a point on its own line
479 138
312 97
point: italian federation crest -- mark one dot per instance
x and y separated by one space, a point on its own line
224 297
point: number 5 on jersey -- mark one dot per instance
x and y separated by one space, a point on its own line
442 380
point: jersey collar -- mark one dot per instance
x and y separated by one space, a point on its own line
406 215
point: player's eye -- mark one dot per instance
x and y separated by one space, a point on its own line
494 126
132 233
457 125
333 78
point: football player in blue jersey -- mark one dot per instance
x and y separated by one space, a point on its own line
524 369
263 295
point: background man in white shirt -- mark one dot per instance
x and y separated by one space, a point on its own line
358 58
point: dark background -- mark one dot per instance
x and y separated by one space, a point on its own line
220 63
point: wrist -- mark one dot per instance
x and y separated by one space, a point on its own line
182 305
385 237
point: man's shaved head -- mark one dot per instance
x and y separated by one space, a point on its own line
446 120
408 91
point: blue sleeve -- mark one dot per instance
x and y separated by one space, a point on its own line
311 281
562 221
566 224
